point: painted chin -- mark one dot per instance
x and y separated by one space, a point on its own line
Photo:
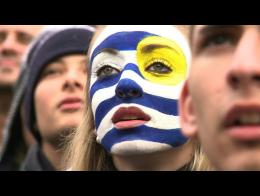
138 147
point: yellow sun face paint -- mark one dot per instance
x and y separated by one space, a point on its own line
161 61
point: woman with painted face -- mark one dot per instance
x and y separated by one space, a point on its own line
131 120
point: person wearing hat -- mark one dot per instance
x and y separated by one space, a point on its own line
53 93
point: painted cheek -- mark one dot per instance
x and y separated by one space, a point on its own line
100 92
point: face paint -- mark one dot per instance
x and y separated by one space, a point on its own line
136 76
161 61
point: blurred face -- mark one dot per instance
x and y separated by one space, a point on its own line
221 101
59 96
14 40
136 76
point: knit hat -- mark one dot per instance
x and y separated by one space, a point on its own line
57 42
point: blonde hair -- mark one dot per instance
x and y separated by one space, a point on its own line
83 153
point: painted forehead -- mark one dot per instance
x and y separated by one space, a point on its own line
127 38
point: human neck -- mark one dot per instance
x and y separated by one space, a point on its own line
53 155
170 160
6 95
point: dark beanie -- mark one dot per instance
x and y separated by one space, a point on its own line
51 44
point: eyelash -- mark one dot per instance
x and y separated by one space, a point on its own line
163 61
101 66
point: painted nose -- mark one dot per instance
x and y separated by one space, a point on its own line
127 89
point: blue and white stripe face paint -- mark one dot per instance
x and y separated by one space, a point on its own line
137 73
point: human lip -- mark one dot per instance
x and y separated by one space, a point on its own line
70 104
8 62
243 122
126 118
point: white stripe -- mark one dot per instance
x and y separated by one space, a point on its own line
167 31
122 58
169 92
158 120
138 147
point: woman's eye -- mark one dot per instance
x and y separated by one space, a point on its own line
158 68
106 71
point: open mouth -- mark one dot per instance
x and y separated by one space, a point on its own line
243 123
126 118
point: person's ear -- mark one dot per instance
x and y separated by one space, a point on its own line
188 120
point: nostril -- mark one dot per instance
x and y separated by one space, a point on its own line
234 81
256 78
128 89
134 93
120 94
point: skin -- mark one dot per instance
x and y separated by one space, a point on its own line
139 153
64 80
223 86
14 40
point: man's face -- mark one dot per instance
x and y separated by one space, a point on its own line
14 40
58 97
136 76
222 98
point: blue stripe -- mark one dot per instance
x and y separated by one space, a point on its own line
112 80
172 137
121 41
103 83
164 105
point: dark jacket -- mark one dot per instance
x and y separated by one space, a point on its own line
36 160
14 149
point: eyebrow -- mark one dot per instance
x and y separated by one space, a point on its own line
123 41
25 33
109 50
151 47
58 60
209 28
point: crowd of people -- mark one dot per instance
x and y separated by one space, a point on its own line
129 97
